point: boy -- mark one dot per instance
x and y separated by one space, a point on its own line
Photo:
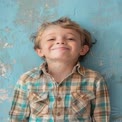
61 90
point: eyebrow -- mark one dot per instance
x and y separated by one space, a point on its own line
71 34
75 35
48 35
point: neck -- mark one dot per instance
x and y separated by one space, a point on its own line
60 70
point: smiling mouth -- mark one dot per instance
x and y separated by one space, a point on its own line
60 48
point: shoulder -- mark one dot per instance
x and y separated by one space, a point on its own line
30 76
93 78
90 74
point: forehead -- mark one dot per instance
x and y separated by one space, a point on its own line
56 29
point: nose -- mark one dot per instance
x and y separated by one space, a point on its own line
60 41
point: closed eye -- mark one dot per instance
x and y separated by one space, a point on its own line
72 39
51 39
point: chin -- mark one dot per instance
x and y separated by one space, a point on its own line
61 59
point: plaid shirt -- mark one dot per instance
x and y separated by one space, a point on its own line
81 97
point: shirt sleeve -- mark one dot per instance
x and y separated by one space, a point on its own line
20 105
101 104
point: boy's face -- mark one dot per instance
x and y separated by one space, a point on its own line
60 44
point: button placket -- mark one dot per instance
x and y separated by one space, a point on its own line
59 103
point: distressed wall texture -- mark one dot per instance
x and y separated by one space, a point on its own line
20 18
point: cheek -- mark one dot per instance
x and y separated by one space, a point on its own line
46 46
78 46
43 45
78 43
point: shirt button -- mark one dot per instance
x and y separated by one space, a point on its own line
58 114
59 98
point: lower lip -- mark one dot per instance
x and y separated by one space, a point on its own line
60 48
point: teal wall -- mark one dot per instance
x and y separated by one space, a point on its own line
20 18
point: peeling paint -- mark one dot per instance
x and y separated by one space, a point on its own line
7 45
7 29
27 14
4 44
4 69
101 63
3 95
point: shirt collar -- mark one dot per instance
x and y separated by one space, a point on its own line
77 68
43 68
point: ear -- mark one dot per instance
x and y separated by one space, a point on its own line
39 52
84 50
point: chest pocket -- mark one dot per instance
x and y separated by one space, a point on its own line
80 102
39 103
